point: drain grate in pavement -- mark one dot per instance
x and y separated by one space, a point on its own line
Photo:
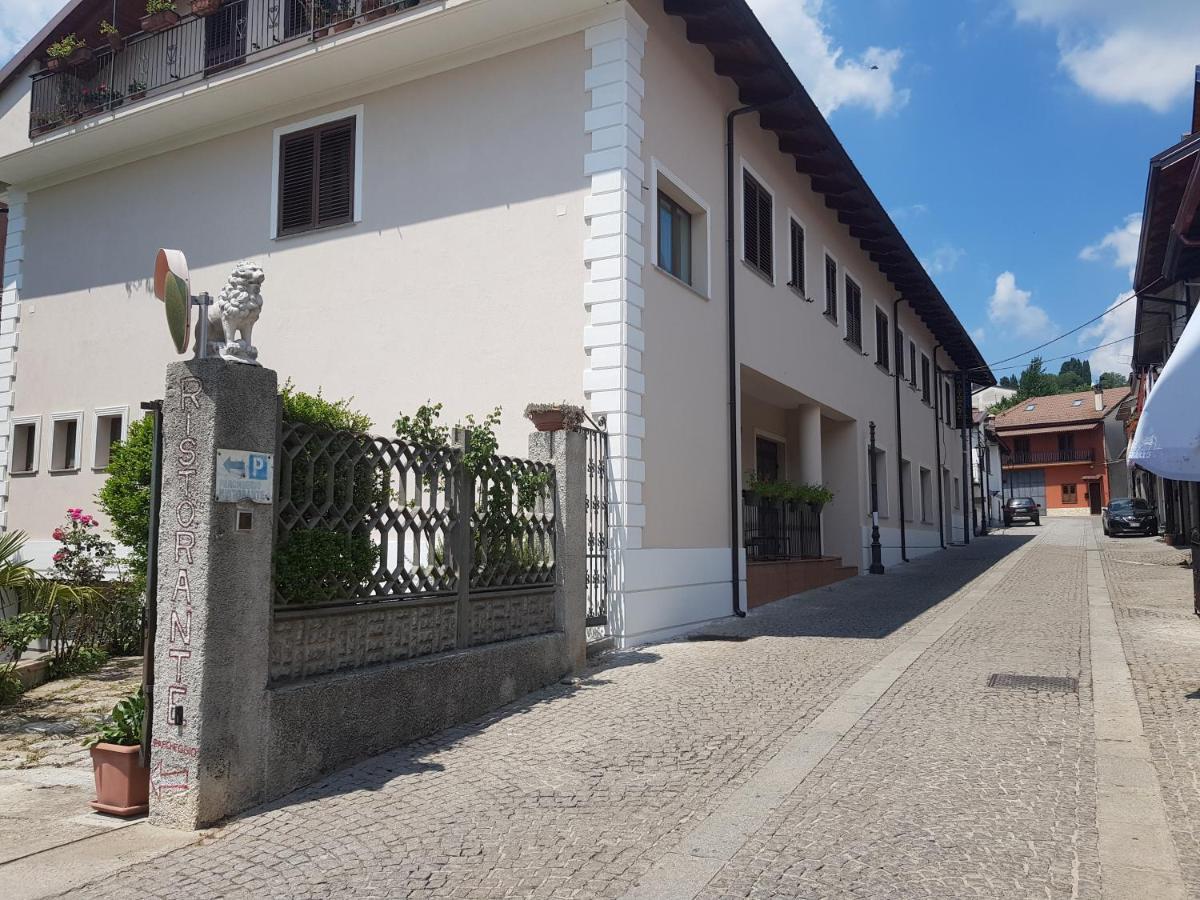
733 638
1045 683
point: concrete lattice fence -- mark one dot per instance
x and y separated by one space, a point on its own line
455 591
387 551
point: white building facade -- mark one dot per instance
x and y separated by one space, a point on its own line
526 202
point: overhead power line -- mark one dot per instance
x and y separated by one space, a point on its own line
1055 340
1075 354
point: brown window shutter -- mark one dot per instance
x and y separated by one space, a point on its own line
766 236
297 182
750 214
335 181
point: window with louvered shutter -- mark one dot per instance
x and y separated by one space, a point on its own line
758 212
831 292
316 177
912 363
853 313
797 248
899 352
925 393
883 340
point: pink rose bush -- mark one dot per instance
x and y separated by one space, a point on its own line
83 556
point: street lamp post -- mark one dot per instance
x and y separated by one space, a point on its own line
876 547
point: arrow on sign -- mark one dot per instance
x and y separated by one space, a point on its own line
238 465
168 780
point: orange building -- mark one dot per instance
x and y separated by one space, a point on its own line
1053 449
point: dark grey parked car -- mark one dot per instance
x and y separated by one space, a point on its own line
1129 517
1021 509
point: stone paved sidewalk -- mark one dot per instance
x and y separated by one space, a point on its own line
1152 595
934 785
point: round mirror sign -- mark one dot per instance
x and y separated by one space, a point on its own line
172 285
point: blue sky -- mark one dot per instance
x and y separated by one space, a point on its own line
1009 139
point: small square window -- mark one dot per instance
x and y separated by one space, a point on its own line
64 442
674 238
1031 407
1077 403
26 445
110 429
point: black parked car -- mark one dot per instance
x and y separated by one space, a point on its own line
1021 509
1129 517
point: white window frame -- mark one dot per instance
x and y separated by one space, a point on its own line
677 184
806 294
36 422
55 418
355 112
106 412
741 219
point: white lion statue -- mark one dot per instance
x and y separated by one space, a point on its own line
234 312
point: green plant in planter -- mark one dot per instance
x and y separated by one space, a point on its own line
124 725
153 7
816 495
108 29
64 47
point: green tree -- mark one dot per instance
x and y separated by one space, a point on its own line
125 495
1036 381
1010 382
1113 380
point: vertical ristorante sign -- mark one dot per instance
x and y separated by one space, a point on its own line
214 590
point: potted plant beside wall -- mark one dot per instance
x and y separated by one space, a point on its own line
122 782
554 416
815 495
137 90
160 15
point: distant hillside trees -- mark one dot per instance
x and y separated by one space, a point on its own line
1073 376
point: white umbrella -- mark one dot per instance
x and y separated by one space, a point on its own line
1167 440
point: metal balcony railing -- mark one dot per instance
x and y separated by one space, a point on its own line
195 48
1041 457
778 529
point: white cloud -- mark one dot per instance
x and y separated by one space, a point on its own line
944 259
912 211
1011 307
20 20
830 76
1113 327
1121 51
1120 245
978 335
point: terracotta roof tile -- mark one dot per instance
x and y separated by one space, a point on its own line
1060 408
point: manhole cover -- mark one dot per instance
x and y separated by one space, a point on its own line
1045 683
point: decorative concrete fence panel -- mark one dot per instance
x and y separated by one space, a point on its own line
370 594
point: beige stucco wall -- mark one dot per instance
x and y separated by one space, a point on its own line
461 284
779 335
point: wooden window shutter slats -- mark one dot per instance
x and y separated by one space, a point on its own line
316 177
758 216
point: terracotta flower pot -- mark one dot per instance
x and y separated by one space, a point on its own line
122 782
344 25
80 56
551 420
377 9
205 7
55 64
159 21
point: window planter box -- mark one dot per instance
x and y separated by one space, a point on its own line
116 42
377 9
160 21
205 7
80 56
344 25
137 95
55 64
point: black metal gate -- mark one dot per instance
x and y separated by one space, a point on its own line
596 506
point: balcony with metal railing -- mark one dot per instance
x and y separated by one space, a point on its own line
1049 457
190 51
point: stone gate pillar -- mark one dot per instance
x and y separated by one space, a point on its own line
214 595
567 451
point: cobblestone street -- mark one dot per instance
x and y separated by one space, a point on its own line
845 743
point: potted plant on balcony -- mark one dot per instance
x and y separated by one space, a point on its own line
122 782
815 495
110 33
137 90
342 15
554 416
62 51
160 15
205 7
